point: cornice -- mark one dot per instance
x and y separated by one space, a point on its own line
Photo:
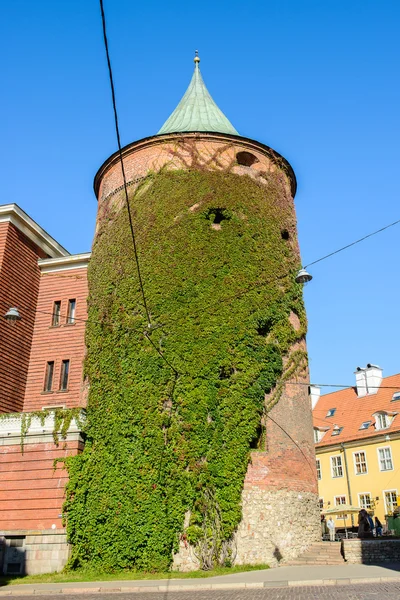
376 439
64 263
12 213
206 136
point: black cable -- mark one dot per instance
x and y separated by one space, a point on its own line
352 244
313 470
377 387
103 19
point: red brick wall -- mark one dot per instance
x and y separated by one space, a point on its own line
19 285
289 461
31 491
58 343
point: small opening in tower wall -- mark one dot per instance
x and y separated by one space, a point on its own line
257 443
246 159
285 234
217 215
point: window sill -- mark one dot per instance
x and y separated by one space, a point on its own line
62 391
54 326
45 392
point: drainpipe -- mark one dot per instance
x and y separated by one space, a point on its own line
347 479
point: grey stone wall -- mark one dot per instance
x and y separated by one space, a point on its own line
43 551
276 526
371 551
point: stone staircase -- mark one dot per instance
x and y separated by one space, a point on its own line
319 553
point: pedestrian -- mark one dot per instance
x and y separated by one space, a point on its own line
363 524
378 527
371 525
331 526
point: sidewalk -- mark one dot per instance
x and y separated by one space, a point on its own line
279 577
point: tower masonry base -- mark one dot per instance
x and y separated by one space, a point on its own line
277 525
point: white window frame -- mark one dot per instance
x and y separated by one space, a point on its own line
341 496
378 417
355 462
379 458
332 467
319 470
384 498
370 500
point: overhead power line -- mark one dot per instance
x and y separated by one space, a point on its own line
110 74
337 385
352 244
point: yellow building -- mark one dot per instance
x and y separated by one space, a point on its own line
357 443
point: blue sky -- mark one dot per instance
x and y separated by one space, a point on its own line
317 80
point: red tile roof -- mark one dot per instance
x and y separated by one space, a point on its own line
351 411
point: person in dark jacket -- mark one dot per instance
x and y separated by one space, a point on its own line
363 524
378 527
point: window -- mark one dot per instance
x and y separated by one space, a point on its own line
48 380
316 436
331 412
64 375
56 314
385 459
360 463
364 501
382 421
390 500
365 425
71 312
395 397
338 501
337 430
246 159
321 503
336 466
318 468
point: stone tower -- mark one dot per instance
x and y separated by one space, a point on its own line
209 412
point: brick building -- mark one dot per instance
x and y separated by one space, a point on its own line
41 360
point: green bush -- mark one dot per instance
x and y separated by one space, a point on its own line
160 444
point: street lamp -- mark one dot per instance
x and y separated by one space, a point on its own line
303 277
12 316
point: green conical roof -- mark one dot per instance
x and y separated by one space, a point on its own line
197 111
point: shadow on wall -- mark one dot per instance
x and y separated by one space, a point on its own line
12 557
277 554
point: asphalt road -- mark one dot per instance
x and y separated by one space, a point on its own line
365 591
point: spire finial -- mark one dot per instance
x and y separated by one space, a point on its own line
196 58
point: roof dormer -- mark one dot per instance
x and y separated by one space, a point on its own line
383 419
319 433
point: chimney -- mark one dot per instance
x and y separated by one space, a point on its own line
315 392
368 380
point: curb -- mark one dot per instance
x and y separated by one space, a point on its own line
198 587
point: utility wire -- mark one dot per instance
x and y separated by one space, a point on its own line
313 470
336 385
352 244
103 19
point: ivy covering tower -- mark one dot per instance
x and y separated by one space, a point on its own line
178 410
